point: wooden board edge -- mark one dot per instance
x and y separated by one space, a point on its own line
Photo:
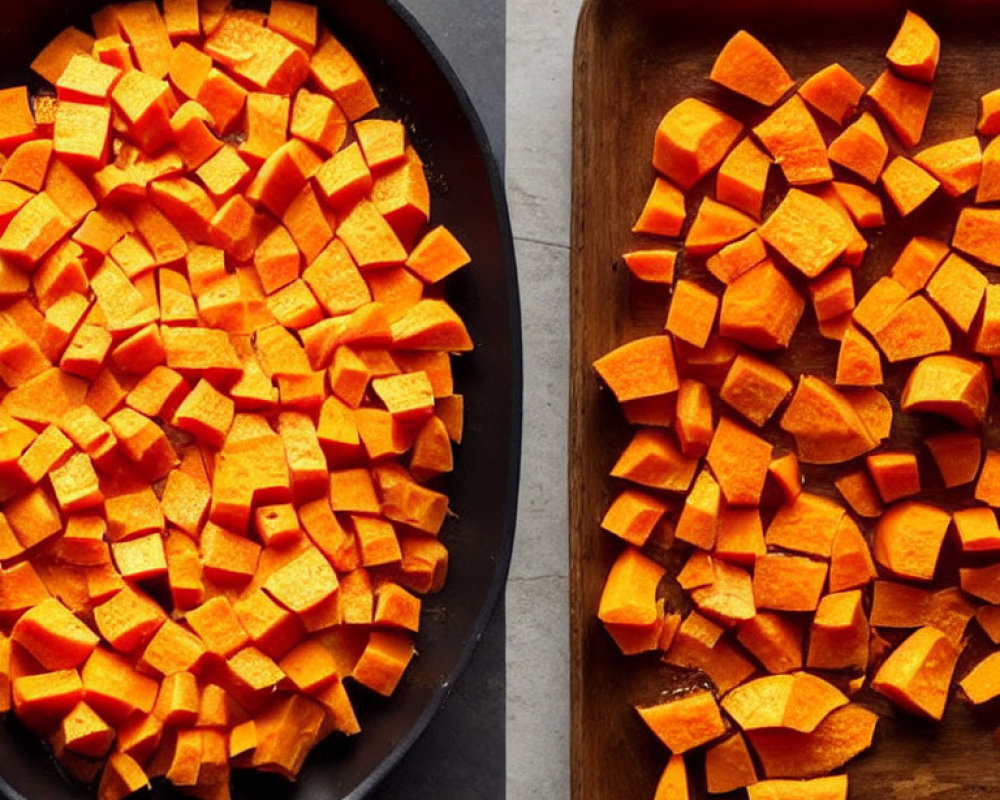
580 372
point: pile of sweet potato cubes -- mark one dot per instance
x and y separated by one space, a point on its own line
793 601
226 364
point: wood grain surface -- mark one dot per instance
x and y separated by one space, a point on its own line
634 60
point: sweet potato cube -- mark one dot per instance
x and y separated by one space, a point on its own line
975 234
691 139
840 633
18 121
774 639
909 537
728 765
739 459
797 701
685 723
794 141
82 134
808 524
788 583
33 517
274 630
755 388
915 51
431 325
833 91
968 394
858 362
122 776
296 21
956 164
736 258
283 175
310 666
787 474
145 104
286 731
140 559
338 74
205 413
216 623
692 417
41 700
173 649
729 595
761 308
742 178
144 443
652 459
27 167
851 564
83 732
957 456
641 368
747 67
664 211
828 429
128 620
714 226
903 104
895 474
807 232
132 511
177 703
54 636
989 176
917 675
981 684
384 661
629 595
257 54
82 542
908 185
832 787
673 783
696 644
201 352
37 226
227 557
114 688
918 261
191 128
844 734
303 583
699 516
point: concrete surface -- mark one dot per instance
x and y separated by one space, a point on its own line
539 93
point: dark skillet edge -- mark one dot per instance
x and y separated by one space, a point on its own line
517 397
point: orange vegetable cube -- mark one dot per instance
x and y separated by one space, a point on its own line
915 51
904 105
685 723
917 674
691 139
747 67
794 141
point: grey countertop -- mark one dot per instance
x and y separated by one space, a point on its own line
539 101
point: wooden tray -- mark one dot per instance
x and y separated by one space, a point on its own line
634 60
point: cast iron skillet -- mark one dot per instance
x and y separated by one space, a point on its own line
415 82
